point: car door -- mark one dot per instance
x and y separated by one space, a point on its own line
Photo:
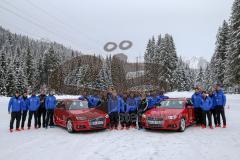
189 107
59 112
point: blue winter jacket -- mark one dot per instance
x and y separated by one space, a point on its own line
115 104
50 102
94 101
152 101
213 102
206 104
160 98
219 98
25 104
15 104
196 100
34 103
131 105
138 99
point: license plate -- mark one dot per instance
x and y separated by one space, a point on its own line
155 122
97 123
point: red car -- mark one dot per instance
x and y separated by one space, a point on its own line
171 114
75 115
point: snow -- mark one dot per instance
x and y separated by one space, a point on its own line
57 143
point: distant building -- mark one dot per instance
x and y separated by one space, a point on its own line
122 57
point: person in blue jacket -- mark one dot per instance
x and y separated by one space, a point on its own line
161 97
122 111
50 105
115 102
131 109
95 100
138 99
152 100
219 99
14 108
196 100
213 109
206 105
25 106
34 103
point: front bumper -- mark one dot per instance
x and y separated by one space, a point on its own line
166 124
88 125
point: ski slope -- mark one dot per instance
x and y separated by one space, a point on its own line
57 143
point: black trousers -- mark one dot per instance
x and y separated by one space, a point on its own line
114 119
139 114
30 115
24 115
15 116
198 115
214 115
132 115
209 117
41 117
220 113
123 119
49 119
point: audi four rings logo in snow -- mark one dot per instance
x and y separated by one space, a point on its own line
124 45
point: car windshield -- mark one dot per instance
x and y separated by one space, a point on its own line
76 105
176 104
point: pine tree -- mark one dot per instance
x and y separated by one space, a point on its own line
232 72
200 77
3 70
10 80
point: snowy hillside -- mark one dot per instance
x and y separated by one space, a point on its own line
57 143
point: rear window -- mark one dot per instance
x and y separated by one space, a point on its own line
76 105
175 104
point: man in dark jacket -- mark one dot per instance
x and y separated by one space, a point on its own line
196 99
25 105
219 99
14 108
42 110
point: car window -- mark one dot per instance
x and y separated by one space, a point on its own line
189 102
76 105
175 104
60 104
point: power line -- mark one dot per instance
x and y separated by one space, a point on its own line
60 21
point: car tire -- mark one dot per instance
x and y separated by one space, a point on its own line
70 126
182 126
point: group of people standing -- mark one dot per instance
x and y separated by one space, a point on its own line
209 104
124 108
40 107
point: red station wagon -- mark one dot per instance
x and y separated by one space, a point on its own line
75 115
171 114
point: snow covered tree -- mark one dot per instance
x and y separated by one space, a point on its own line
219 58
3 70
232 72
200 77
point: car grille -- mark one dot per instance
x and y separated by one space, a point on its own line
94 122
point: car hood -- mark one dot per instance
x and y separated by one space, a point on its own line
163 112
89 113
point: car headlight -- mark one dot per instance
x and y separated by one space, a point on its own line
172 117
81 118
144 116
107 116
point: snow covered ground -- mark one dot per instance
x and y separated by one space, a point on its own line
57 143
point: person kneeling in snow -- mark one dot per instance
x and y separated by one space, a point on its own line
50 105
206 105
14 107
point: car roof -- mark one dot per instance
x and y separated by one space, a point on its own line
68 99
180 99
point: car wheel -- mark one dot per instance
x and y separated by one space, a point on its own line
69 126
182 125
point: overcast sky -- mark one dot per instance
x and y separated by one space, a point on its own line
87 25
